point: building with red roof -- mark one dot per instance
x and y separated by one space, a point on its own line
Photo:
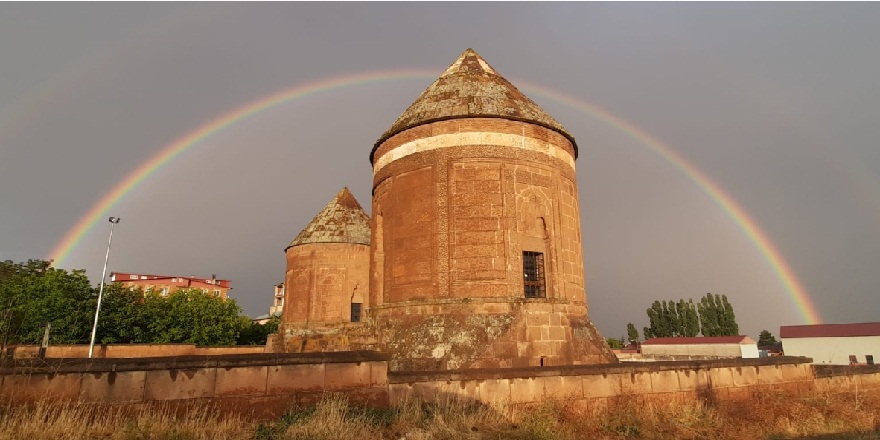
833 344
701 347
167 284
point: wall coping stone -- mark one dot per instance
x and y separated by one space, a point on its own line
101 365
821 371
401 377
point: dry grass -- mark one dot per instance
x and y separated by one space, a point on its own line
769 415
65 420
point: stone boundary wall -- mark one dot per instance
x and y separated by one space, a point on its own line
131 350
260 384
847 377
716 379
265 385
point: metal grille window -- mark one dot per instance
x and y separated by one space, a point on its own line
533 275
355 312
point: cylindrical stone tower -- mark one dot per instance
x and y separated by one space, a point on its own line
328 264
476 245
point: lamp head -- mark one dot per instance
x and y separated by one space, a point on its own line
114 219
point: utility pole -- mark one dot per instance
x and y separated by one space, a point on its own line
113 222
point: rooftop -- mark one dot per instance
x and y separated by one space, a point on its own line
471 88
740 339
830 330
341 221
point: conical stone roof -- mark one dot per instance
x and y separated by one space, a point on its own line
341 221
471 88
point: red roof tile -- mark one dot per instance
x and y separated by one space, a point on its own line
830 330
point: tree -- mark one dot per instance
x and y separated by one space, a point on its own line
615 343
716 316
631 333
34 293
193 316
766 338
124 319
660 320
257 334
688 319
670 319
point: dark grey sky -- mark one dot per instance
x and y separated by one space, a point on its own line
778 103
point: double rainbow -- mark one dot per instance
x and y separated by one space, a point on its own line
768 250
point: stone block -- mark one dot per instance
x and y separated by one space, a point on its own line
287 379
378 373
721 377
769 374
563 387
665 381
524 390
494 390
241 381
690 380
556 333
113 387
601 385
744 376
185 383
29 387
636 383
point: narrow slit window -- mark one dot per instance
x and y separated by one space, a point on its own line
355 312
869 359
533 275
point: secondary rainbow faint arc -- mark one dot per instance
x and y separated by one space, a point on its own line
768 250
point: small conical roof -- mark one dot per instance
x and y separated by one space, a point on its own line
471 88
341 221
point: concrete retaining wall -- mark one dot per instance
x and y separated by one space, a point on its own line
262 384
717 379
847 377
266 384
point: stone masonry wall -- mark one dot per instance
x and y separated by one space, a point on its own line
263 385
323 280
729 379
455 205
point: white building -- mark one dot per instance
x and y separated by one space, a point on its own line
834 344
702 347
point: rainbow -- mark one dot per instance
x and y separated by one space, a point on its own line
768 250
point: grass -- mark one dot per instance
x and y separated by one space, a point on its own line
768 415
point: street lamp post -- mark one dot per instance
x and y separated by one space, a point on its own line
113 222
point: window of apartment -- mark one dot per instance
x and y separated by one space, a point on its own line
217 293
164 291
869 359
356 312
533 275
132 277
853 360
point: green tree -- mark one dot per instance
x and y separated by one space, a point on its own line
615 343
124 319
631 333
192 316
257 334
716 316
34 293
688 319
766 338
659 321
